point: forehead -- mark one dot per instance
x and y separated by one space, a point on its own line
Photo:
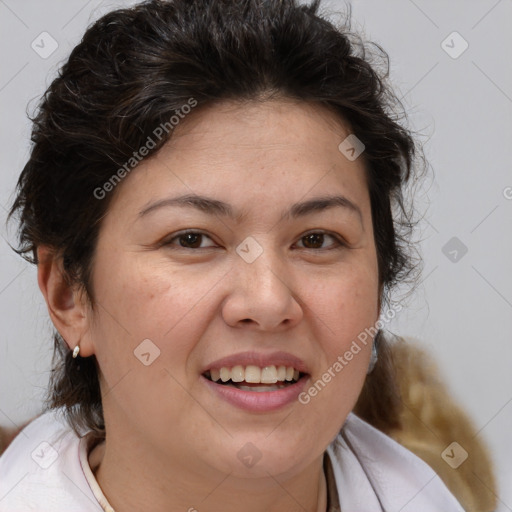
252 155
260 129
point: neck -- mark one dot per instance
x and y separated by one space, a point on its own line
132 481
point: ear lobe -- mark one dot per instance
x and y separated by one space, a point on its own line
65 302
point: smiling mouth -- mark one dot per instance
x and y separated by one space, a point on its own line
254 378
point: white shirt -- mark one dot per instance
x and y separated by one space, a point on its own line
45 469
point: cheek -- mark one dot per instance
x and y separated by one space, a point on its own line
346 304
347 310
139 301
144 302
343 308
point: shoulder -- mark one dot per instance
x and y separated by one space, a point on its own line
40 470
384 473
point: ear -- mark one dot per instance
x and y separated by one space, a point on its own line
67 304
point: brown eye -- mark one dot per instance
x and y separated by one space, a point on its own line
314 240
190 240
318 239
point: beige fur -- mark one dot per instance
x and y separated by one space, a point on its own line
432 420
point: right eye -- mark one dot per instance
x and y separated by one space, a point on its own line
188 240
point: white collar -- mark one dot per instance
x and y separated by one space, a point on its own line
86 444
375 474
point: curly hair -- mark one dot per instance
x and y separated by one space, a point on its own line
136 67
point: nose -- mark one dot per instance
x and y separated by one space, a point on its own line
261 296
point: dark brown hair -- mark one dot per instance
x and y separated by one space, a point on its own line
134 69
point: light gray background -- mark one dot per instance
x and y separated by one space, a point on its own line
463 107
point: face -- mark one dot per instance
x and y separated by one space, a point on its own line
274 267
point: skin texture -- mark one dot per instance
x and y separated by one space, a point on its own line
171 442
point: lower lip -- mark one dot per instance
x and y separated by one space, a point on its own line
258 401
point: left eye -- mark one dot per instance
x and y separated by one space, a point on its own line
317 239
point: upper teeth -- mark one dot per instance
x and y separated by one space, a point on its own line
255 374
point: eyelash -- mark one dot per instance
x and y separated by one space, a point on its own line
339 243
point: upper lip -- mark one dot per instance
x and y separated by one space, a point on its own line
258 359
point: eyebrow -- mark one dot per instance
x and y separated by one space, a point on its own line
215 207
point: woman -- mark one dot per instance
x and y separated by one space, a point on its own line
209 203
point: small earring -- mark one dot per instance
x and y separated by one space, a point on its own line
76 351
373 358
